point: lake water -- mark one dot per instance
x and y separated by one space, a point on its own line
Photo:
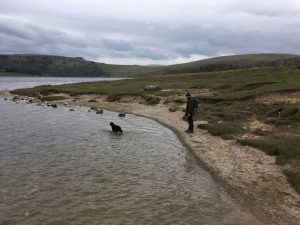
62 167
9 83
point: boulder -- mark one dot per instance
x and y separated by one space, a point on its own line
65 104
122 115
54 106
152 88
72 109
5 99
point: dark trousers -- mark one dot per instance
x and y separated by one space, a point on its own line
191 123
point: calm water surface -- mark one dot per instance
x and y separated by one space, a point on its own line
9 83
62 167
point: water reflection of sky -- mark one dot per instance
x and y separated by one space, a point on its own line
10 83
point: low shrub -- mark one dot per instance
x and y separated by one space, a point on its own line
260 132
113 98
52 98
48 91
74 94
293 178
152 100
284 149
226 130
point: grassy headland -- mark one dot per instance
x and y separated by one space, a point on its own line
257 107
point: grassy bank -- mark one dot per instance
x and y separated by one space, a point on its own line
228 85
232 104
9 74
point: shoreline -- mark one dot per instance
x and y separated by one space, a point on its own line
265 192
247 174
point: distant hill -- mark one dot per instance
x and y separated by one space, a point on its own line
48 65
235 62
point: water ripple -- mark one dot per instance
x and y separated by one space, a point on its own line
59 167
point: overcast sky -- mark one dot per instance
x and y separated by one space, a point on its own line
149 31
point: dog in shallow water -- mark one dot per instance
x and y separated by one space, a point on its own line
115 128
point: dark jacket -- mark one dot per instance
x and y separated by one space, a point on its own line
190 107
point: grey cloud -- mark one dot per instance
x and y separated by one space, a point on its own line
117 44
149 30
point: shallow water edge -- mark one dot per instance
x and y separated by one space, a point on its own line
234 215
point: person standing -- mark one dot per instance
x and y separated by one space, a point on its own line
191 105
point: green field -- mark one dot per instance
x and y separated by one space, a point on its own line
224 86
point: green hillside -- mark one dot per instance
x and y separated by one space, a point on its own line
235 62
46 65
130 70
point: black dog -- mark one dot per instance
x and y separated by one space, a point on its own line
115 128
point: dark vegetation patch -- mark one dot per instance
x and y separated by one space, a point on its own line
284 148
113 98
283 114
226 130
151 100
293 178
261 132
254 86
53 98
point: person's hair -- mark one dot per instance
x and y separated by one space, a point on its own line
188 94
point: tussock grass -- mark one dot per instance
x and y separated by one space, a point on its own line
52 98
226 130
284 149
294 179
113 98
152 100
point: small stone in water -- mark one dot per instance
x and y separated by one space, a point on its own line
99 111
